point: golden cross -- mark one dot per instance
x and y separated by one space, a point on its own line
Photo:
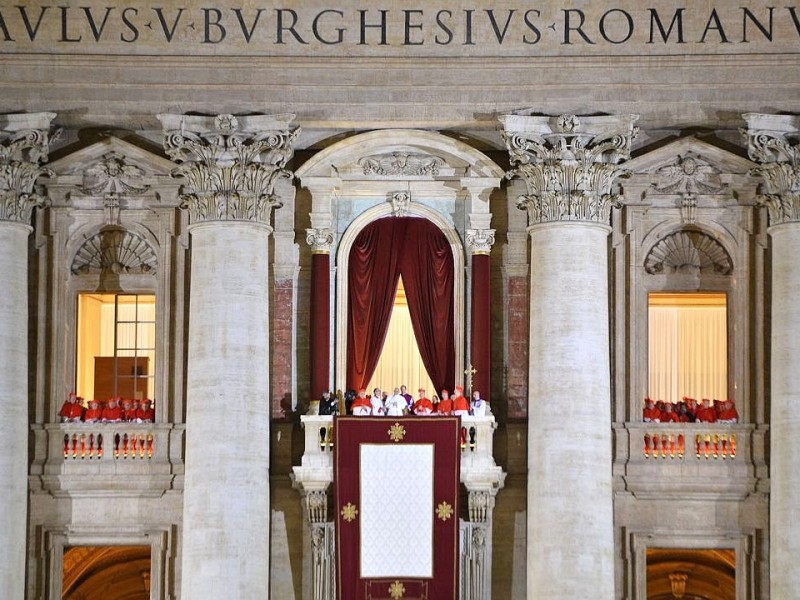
469 373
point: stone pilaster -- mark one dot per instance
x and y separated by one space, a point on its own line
773 143
320 240
24 144
230 166
480 242
569 166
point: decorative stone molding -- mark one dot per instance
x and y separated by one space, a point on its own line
481 504
569 164
115 250
113 175
320 240
316 505
400 202
231 165
689 174
689 209
24 145
401 163
774 142
480 241
688 250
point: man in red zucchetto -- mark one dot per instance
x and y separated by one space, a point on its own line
94 413
145 414
112 413
460 403
706 413
423 406
72 410
651 414
445 406
728 414
362 407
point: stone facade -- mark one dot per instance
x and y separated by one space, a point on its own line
703 197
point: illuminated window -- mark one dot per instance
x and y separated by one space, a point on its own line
116 346
688 346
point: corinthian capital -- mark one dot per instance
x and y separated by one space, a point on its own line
773 141
569 164
231 164
480 241
24 144
320 239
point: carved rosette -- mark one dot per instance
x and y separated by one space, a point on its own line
231 165
778 153
24 145
320 240
480 241
569 164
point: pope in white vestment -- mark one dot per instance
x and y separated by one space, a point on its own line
395 404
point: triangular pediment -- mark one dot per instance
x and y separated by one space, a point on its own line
718 159
77 162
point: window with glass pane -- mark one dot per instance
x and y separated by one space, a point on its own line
688 346
116 346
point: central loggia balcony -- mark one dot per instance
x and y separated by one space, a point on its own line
72 459
713 460
479 472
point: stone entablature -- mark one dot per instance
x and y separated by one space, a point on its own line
569 164
24 145
231 165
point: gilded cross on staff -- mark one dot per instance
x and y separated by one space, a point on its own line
470 373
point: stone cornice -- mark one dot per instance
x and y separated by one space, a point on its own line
231 165
24 146
568 163
773 141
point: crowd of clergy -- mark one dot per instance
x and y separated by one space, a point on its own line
113 410
400 403
689 410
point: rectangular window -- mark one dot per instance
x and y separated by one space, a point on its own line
688 346
116 346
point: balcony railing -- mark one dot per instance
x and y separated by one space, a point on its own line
690 458
74 457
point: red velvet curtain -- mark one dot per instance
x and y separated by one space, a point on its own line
418 250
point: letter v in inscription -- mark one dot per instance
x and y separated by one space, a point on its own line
168 33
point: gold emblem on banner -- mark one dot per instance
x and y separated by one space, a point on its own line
444 511
396 432
349 512
396 590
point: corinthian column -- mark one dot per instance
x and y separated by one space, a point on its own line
772 142
231 166
23 147
569 166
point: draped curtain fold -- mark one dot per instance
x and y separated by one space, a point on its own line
382 252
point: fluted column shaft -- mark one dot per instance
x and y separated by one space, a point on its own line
772 143
231 167
569 166
24 144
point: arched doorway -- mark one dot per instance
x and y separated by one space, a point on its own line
399 173
384 251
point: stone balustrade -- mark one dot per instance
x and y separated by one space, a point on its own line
74 458
689 458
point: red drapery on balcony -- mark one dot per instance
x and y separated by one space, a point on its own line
386 249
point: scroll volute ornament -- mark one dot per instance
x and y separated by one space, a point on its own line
231 165
569 164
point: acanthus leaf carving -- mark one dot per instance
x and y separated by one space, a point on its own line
569 170
113 175
231 173
480 241
22 152
777 151
401 163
